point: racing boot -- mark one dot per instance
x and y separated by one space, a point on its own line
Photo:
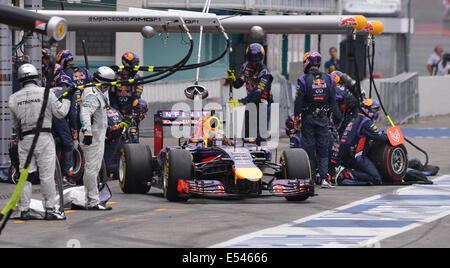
100 206
53 215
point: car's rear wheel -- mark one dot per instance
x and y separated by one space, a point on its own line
135 168
391 162
295 165
178 166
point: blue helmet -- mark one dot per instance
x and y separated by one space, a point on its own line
370 108
140 108
45 53
255 53
336 76
311 59
63 79
130 59
63 57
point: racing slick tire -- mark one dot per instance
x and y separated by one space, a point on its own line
135 168
178 166
78 164
391 162
295 164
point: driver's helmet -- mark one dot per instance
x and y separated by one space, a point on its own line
371 108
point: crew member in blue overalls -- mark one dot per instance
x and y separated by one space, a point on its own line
355 145
61 127
346 103
293 131
79 76
45 58
123 98
258 82
315 101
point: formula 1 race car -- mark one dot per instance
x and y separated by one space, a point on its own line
211 165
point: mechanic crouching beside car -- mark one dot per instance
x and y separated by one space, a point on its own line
94 124
355 145
258 82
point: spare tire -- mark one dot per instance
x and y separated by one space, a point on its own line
295 164
135 168
78 164
177 166
391 162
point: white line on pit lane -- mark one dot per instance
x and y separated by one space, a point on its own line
362 223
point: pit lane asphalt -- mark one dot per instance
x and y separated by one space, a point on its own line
151 221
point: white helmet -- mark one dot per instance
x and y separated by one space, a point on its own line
104 74
28 73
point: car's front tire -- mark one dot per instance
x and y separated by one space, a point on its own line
295 165
178 166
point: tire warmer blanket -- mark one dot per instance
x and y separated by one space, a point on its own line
71 196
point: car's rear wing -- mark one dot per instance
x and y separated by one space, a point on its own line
168 118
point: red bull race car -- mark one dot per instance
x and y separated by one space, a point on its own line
210 165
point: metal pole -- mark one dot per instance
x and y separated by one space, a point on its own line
205 10
284 57
307 40
5 90
33 43
408 40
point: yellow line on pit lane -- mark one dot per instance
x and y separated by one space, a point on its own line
170 210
